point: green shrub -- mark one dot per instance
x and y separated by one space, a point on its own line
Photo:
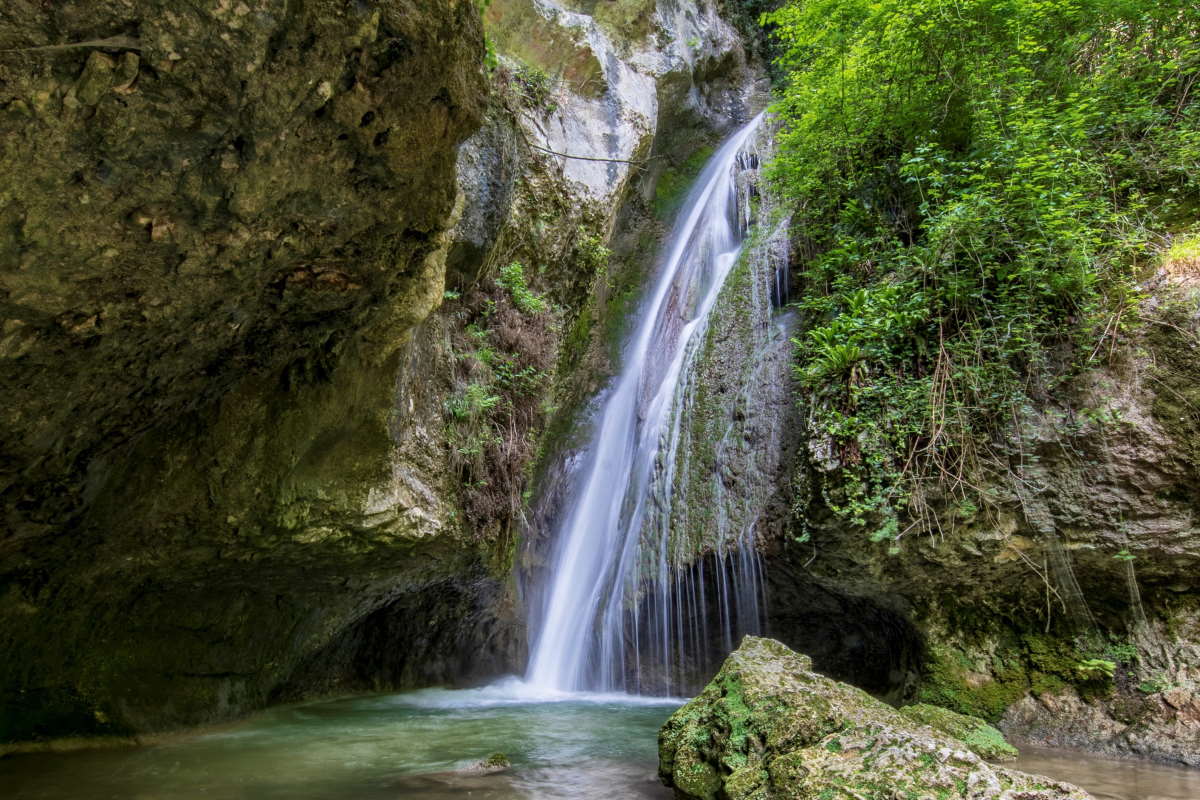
512 278
979 181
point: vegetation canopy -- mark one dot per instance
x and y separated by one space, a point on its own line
977 183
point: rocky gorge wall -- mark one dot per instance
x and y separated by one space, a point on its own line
223 223
270 424
281 415
1065 606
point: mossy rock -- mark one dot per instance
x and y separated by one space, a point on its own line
496 762
768 727
983 739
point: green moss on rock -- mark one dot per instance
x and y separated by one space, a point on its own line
767 727
983 739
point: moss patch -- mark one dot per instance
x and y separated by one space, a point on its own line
983 739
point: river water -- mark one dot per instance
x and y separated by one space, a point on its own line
413 745
1112 778
423 745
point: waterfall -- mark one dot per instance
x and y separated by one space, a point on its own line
618 599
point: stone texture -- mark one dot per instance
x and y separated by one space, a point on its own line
984 740
1086 549
222 223
268 177
228 472
767 726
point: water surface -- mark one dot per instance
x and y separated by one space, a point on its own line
423 745
1110 778
419 745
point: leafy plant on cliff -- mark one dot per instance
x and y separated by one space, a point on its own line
504 348
978 181
512 278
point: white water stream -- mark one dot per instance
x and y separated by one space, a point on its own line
610 550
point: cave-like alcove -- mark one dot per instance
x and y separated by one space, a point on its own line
865 641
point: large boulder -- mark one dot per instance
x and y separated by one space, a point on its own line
767 726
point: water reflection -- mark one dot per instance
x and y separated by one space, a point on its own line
1112 778
419 745
422 746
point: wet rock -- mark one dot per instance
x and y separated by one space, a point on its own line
496 762
211 272
1085 550
96 79
767 726
1163 727
984 740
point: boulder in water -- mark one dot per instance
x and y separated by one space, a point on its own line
769 727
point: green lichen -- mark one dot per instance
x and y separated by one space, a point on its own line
780 730
951 682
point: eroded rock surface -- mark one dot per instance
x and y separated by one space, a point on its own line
1069 593
767 726
233 469
222 222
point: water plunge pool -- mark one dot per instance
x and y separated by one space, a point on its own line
423 746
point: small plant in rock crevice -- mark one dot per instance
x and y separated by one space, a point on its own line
504 352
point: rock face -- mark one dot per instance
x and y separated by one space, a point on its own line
207 193
767 726
1163 724
1070 596
221 224
984 740
239 461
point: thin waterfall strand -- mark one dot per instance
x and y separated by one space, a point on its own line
602 561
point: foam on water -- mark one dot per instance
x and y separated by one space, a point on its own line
514 691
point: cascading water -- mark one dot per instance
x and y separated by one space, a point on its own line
615 587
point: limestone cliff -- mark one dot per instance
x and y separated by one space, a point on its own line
221 223
1065 605
246 456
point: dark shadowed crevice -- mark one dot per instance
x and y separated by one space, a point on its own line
864 641
455 633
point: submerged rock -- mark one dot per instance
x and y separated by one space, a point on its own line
496 762
767 726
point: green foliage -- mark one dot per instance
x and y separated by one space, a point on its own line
1095 668
490 59
672 187
1183 248
979 179
476 399
535 88
1122 652
1154 685
591 252
501 376
512 278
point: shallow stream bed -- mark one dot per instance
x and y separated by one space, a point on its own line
423 745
